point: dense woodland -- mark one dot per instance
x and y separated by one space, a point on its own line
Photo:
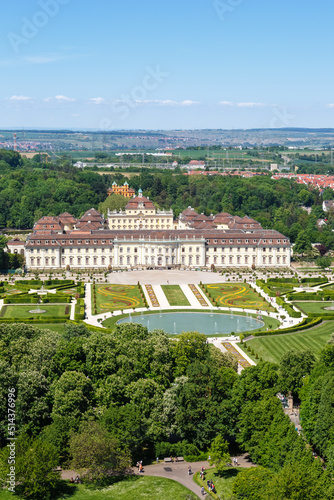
103 400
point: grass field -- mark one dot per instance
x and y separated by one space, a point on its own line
116 297
22 311
223 483
133 488
54 327
318 307
237 295
273 347
174 295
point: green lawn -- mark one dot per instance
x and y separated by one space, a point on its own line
318 307
133 488
116 297
174 295
273 347
54 327
236 295
22 311
223 483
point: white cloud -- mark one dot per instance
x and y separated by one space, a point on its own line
245 104
167 102
18 98
59 98
330 105
250 104
41 59
97 100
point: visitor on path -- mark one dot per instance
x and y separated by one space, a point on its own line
203 491
189 470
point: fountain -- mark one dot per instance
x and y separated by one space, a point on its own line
211 311
142 315
130 318
160 313
207 323
330 308
38 310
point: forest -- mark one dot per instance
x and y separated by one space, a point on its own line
101 401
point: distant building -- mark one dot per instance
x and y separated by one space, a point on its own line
328 205
124 190
140 213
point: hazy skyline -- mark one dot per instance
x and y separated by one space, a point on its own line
148 65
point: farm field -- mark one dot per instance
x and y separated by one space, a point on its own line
236 295
273 347
22 311
132 488
175 295
116 297
318 307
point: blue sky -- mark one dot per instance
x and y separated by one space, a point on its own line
153 64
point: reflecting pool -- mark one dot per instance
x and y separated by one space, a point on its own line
208 323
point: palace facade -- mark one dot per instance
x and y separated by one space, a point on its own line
144 237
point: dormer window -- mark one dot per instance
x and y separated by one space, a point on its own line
79 242
239 241
63 242
53 242
38 242
87 242
46 242
223 241
71 242
95 242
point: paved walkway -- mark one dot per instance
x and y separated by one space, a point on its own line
178 471
72 315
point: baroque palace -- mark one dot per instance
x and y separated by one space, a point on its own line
143 237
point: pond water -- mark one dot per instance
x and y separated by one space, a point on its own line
208 323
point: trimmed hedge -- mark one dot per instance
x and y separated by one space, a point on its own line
320 281
303 325
282 280
37 319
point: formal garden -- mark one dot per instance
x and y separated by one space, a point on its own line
311 297
45 302
109 297
175 295
235 295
